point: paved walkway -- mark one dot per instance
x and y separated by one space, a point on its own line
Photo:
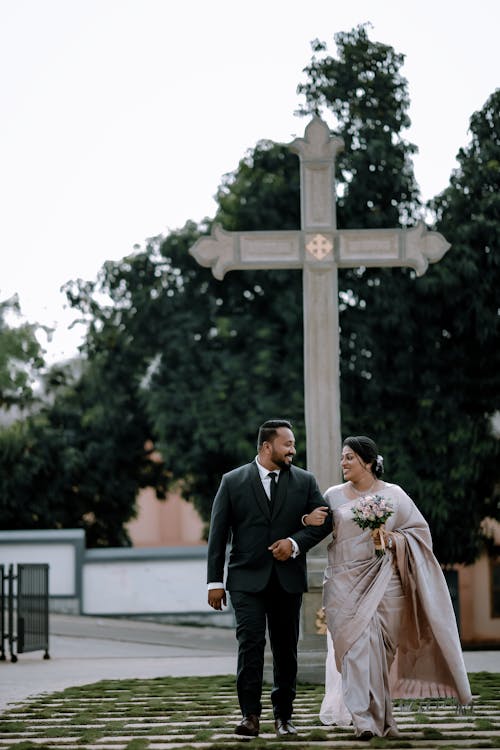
88 649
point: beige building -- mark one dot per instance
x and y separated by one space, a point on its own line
479 593
165 523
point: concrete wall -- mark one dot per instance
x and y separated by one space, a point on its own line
64 552
165 583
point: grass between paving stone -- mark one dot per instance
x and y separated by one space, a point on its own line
137 744
201 712
484 724
421 719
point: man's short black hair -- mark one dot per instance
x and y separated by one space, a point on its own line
267 430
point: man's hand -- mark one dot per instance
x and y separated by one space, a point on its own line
282 549
316 517
217 598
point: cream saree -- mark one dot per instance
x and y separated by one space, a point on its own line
392 629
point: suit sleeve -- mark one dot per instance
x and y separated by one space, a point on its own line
308 536
220 523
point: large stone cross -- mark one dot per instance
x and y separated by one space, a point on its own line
319 248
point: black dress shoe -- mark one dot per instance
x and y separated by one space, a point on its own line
284 727
248 726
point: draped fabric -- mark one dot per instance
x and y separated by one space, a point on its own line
390 618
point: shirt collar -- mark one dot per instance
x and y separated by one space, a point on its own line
264 472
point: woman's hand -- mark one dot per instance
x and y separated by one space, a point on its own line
382 538
316 517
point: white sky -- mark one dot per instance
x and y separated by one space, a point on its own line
118 118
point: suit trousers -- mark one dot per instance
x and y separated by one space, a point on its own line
280 610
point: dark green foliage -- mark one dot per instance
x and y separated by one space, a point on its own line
231 351
20 358
453 373
430 733
364 89
213 356
199 361
79 462
263 193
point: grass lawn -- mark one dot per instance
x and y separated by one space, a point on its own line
200 712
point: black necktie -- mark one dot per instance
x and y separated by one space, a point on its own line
274 486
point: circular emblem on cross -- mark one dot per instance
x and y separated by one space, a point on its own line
319 246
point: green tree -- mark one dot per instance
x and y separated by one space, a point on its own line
459 318
431 385
81 459
204 353
20 358
364 89
235 356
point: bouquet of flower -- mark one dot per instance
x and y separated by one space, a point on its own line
371 512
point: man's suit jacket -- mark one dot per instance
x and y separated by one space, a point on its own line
241 510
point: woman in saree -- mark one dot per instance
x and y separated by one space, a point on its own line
391 626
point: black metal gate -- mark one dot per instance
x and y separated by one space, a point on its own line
2 616
27 609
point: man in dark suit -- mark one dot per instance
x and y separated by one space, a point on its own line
262 506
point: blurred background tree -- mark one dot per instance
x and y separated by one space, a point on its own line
21 358
80 460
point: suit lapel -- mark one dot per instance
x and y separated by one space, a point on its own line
259 492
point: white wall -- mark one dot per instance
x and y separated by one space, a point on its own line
62 563
136 587
163 581
62 550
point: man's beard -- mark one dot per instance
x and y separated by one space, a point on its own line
284 466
